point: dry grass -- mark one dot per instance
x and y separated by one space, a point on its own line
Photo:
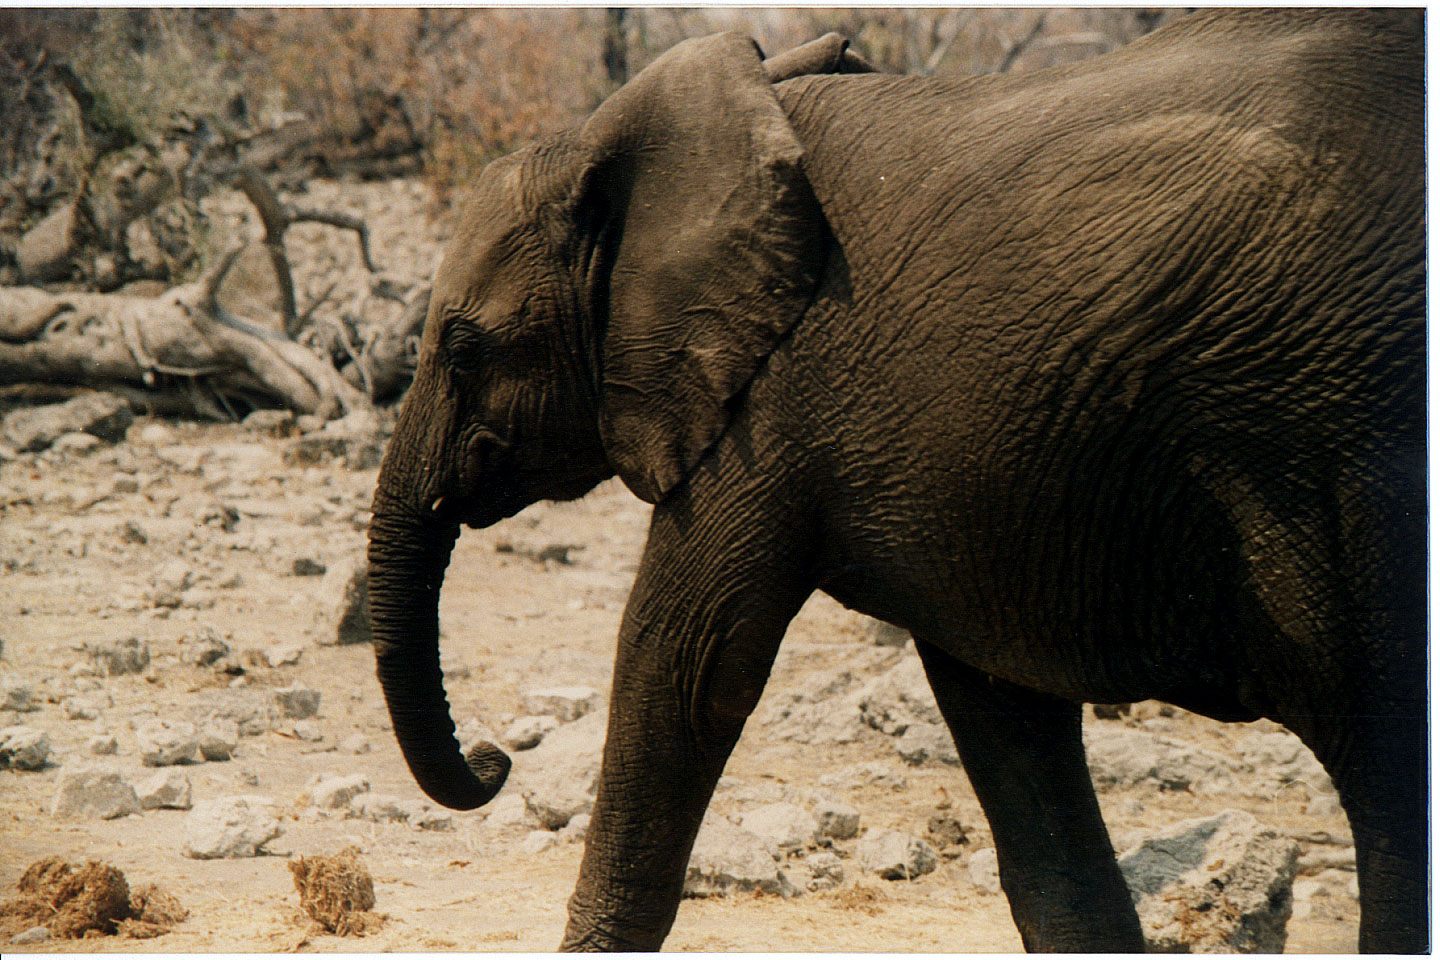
93 900
337 892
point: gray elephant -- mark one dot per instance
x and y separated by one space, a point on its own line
1106 381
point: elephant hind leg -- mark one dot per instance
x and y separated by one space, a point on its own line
1379 763
1023 754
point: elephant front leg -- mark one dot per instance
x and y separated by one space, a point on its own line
696 646
1023 754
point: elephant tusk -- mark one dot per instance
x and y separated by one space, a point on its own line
435 507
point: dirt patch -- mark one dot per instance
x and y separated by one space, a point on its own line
90 900
337 892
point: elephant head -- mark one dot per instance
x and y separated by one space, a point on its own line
609 293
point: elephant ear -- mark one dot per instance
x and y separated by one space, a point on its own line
717 246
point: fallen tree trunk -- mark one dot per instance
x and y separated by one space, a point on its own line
181 344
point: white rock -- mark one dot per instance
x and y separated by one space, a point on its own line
309 731
229 827
355 743
20 699
537 842
1122 757
24 748
379 807
825 710
894 855
984 870
925 742
131 655
431 818
169 789
901 696
563 703
781 826
297 702
333 792
726 860
826 871
509 813
218 739
203 648
527 732
575 830
558 778
87 706
1280 759
32 935
94 792
1219 884
346 592
283 654
869 773
163 744
836 818
101 745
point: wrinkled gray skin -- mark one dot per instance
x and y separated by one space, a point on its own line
1105 381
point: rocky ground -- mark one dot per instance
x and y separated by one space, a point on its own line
177 702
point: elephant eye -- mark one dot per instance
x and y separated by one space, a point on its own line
465 344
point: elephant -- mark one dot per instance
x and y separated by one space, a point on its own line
1105 381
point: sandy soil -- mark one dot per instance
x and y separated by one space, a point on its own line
83 538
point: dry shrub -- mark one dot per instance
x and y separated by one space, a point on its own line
92 900
152 912
862 895
337 892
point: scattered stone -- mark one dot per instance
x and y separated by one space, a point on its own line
726 860
338 892
537 842
297 702
131 655
97 792
32 429
431 818
102 745
170 584
309 731
825 710
284 654
836 819
1281 759
354 744
783 827
86 706
559 777
379 807
826 871
75 444
899 697
884 634
307 567
274 423
333 792
527 732
894 855
1219 884
169 790
1110 711
20 699
927 743
252 711
229 828
203 649
24 748
163 744
984 870
509 813
1122 757
869 773
32 935
347 588
575 830
945 831
218 739
563 703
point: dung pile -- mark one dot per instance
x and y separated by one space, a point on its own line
90 900
337 892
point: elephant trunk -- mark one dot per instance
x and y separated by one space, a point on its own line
408 557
